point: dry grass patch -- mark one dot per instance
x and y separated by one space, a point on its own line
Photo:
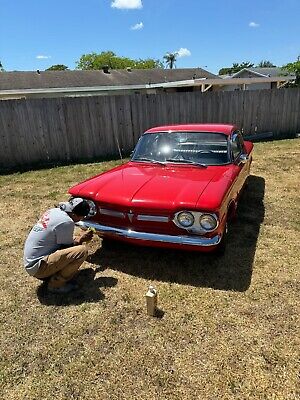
228 327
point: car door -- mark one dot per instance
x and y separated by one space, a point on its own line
241 169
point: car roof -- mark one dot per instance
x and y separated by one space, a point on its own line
226 129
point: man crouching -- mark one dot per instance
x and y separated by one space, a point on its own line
51 253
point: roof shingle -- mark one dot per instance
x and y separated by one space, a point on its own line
91 78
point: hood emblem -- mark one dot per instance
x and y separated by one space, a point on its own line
130 215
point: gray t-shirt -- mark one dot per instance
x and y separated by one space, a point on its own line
53 231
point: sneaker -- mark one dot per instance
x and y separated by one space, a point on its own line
74 282
68 287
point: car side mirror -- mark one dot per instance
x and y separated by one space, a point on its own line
243 158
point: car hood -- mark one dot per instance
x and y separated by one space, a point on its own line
158 187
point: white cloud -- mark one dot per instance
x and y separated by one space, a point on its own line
253 24
183 52
41 57
137 27
127 4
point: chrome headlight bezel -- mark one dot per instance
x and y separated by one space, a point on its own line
208 222
93 208
185 219
197 227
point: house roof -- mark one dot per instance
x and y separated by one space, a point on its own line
91 78
262 72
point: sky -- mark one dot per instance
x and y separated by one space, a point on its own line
211 34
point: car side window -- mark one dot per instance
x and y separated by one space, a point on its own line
237 146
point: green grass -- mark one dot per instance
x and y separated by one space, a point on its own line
228 327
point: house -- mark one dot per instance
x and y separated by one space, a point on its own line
34 84
256 78
102 82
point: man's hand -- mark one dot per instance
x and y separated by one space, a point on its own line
86 237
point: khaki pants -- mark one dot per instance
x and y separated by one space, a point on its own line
62 265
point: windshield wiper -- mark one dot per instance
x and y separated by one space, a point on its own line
183 161
148 159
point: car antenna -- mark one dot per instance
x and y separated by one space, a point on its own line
119 148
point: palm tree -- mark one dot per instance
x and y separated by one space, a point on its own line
170 59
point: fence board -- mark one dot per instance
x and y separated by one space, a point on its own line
69 129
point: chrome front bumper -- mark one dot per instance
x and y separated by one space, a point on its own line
103 230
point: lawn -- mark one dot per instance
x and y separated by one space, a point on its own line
228 327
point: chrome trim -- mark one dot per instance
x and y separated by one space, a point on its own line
153 218
196 227
112 213
140 217
153 237
243 158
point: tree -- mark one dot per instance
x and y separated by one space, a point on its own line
112 61
170 59
1 67
236 67
266 64
148 63
294 68
57 67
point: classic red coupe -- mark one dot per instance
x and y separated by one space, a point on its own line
179 189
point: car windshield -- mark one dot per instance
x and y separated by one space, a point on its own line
202 148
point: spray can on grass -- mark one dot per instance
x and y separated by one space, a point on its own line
151 301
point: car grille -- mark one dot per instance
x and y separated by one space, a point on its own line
130 215
137 219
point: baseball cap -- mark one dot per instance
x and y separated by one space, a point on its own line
77 205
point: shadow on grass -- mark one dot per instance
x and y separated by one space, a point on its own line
88 292
233 271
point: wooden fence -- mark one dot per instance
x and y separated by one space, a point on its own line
38 131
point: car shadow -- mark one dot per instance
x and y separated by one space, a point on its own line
88 292
232 271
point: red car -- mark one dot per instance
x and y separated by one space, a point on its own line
179 189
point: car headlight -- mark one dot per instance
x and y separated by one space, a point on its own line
185 219
93 208
208 222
